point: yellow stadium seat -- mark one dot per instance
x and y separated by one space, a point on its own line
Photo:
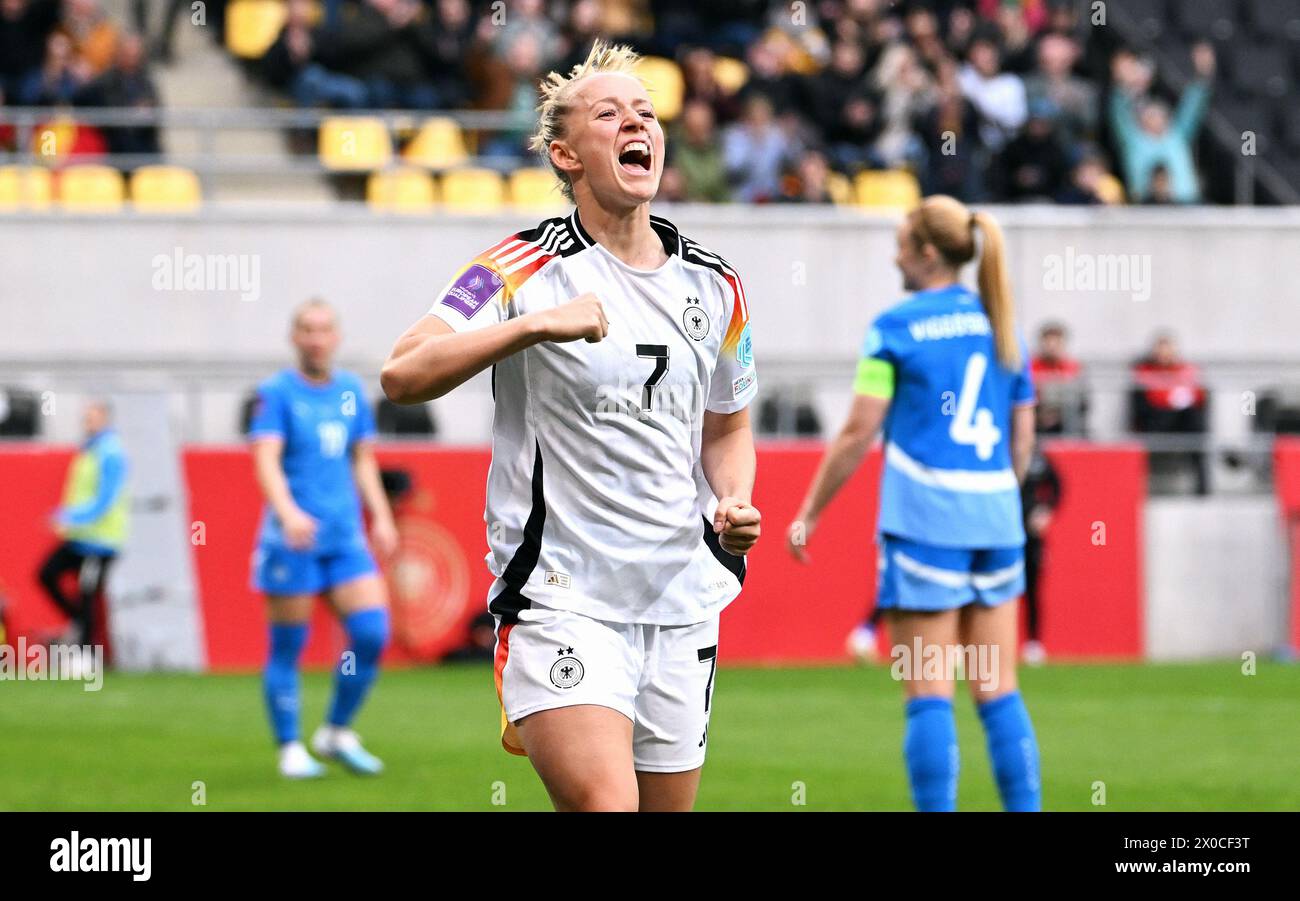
24 188
892 188
354 144
534 188
91 189
439 144
165 189
730 74
401 191
840 188
252 26
473 191
664 81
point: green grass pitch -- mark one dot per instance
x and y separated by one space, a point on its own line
1160 737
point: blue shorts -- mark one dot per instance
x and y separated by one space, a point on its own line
281 570
915 576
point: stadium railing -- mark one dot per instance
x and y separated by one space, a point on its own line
210 162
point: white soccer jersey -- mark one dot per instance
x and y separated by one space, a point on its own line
596 501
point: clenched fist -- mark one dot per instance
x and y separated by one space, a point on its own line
737 525
583 317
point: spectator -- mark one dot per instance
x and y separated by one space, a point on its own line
1017 26
1062 398
672 187
524 63
290 64
677 24
730 25
1029 15
447 46
1040 495
528 19
126 84
388 49
955 158
25 26
1148 138
702 84
1170 399
581 28
961 31
1075 100
999 97
1034 164
804 33
840 103
906 91
1161 192
697 158
93 35
755 151
769 74
922 27
8 134
809 182
1085 184
61 75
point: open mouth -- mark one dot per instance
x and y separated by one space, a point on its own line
635 158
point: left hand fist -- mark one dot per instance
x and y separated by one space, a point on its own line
383 536
737 525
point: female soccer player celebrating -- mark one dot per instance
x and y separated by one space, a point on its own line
311 434
944 373
622 371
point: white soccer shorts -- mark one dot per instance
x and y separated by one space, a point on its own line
659 677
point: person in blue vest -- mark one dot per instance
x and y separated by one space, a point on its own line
92 522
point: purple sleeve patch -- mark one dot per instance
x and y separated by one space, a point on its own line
471 292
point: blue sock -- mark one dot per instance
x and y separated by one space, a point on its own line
930 747
280 679
367 634
1013 751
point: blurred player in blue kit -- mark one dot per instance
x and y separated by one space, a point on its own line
945 374
312 433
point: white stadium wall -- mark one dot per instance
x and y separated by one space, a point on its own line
86 287
86 305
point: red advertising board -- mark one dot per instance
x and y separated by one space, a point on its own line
1286 482
788 612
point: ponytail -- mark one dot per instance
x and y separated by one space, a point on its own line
949 226
995 290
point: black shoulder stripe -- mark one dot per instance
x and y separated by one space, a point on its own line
554 235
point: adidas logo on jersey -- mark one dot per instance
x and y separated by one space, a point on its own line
557 579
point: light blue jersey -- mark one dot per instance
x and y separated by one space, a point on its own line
948 481
319 425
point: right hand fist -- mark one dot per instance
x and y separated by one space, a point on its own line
299 530
583 317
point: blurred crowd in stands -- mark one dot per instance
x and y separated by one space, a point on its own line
987 100
70 53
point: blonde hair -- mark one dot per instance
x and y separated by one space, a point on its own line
948 225
311 303
557 95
